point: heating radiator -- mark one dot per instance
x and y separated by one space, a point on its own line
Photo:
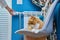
5 25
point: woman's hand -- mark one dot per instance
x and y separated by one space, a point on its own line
4 4
12 12
9 10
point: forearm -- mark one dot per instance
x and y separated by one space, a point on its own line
9 9
3 3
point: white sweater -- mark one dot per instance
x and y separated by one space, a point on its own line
3 3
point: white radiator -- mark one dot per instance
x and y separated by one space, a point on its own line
5 25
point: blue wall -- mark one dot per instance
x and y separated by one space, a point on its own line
26 6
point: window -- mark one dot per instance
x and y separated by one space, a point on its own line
5 24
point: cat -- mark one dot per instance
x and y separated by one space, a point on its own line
33 21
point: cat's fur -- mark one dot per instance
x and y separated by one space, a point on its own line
33 20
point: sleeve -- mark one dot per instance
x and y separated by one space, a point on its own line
3 3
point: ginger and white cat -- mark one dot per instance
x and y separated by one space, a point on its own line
31 22
35 22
